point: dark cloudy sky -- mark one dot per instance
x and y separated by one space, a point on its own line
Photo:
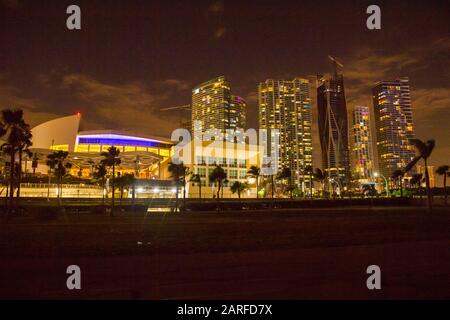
133 57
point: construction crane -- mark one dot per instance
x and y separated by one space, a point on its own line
180 114
336 63
183 107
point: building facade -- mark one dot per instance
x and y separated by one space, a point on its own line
215 107
333 127
235 158
285 105
361 145
394 124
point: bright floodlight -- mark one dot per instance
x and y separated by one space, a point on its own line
375 174
156 190
140 189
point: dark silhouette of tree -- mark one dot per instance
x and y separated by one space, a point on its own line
286 175
111 159
424 150
16 134
178 173
255 172
218 175
238 187
320 176
99 176
416 180
196 179
444 171
57 162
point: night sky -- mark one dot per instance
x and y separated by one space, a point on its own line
132 58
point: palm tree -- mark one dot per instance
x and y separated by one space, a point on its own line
238 187
123 182
178 174
218 175
397 176
286 174
255 172
17 136
99 175
424 150
444 171
320 176
111 159
57 161
34 163
416 180
195 178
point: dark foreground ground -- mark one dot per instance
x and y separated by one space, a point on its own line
307 254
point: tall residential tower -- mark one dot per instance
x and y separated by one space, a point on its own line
333 127
216 107
394 124
286 106
361 145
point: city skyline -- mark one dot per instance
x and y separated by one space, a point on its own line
76 74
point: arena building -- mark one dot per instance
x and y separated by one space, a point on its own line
147 157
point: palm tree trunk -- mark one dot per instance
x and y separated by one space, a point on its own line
200 190
112 195
427 181
19 174
445 188
257 188
11 183
310 186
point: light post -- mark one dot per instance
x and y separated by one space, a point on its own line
339 186
376 175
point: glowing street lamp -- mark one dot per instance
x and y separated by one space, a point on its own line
376 175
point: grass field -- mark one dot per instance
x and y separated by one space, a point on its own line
302 254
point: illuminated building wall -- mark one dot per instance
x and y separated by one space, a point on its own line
394 124
145 156
286 106
361 144
333 127
216 107
234 158
431 174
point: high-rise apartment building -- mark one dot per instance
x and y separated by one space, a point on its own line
286 106
394 124
333 127
216 107
361 145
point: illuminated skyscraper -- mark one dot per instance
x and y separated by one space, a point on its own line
361 144
333 127
216 107
394 124
286 106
